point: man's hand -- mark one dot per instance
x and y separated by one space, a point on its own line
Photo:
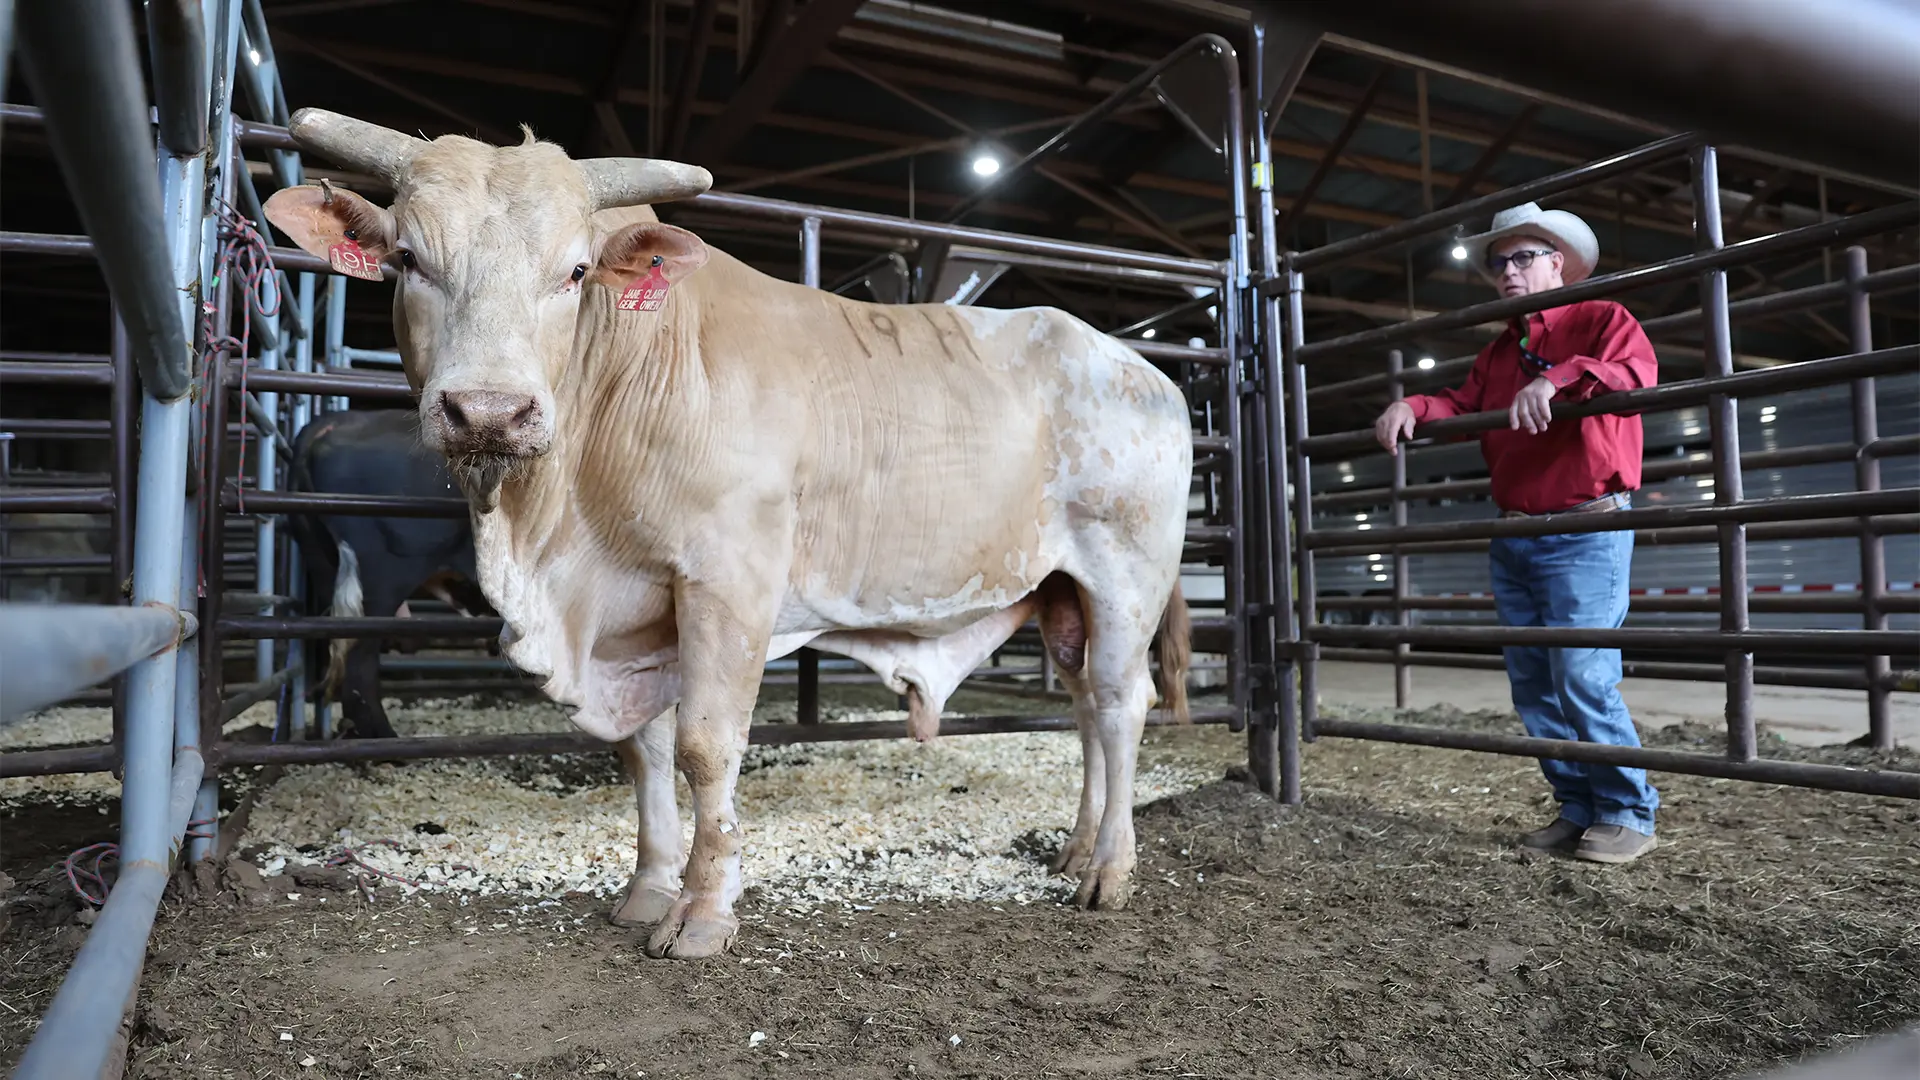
1394 424
1532 407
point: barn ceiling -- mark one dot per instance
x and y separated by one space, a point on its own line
884 105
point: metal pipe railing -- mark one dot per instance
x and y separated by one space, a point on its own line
1867 513
1897 279
1866 477
50 651
1811 677
1666 536
1784 508
1835 603
1905 785
1729 483
1652 471
573 742
1870 223
90 84
1660 398
1840 642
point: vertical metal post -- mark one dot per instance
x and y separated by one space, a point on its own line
124 408
160 526
1308 605
1280 735
335 354
1866 477
807 661
266 469
1728 488
186 687
336 335
1402 672
294 724
223 19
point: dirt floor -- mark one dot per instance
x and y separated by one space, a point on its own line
1387 928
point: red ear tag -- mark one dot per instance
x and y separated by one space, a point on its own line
347 258
646 293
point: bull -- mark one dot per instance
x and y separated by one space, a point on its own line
679 468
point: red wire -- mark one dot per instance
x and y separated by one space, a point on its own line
243 251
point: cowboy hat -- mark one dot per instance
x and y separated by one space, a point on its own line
1563 231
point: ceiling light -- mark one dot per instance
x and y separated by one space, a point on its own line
986 165
1197 343
1147 333
1426 363
1459 253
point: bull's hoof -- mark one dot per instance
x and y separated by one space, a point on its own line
1105 888
683 935
1074 856
644 906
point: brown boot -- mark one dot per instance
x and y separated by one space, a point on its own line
1559 836
1613 844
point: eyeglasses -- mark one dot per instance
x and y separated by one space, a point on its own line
1497 264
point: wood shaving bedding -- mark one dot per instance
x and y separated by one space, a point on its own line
962 818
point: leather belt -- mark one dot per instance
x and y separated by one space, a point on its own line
1616 501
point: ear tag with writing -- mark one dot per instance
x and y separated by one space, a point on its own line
346 258
646 293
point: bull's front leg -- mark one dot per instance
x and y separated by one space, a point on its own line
648 757
723 648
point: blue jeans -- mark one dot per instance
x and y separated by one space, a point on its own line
1574 579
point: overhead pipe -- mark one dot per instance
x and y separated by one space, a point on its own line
81 61
177 45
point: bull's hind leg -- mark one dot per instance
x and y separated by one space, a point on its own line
1076 852
1063 631
1121 690
648 757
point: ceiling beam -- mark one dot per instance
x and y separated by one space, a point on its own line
602 116
1339 146
794 52
692 65
422 100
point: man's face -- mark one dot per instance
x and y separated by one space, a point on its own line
1542 271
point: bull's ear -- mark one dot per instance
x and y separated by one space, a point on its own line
630 252
316 218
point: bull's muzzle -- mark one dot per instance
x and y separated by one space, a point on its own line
487 436
490 422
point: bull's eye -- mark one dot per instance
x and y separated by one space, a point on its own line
580 272
406 259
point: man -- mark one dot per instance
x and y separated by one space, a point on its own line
1542 467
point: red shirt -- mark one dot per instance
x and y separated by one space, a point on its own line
1595 346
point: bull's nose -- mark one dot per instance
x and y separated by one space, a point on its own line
488 414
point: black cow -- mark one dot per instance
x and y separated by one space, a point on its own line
357 565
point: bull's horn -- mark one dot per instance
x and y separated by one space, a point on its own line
355 143
615 182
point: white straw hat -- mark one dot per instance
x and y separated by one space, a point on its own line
1565 232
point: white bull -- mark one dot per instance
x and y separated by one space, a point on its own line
664 499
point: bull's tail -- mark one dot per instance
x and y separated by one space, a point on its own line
348 602
1176 654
